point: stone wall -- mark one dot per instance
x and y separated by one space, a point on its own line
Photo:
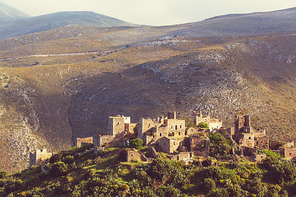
199 119
262 142
103 140
82 141
215 124
116 125
132 155
148 125
161 127
259 158
38 157
168 144
290 144
243 124
260 133
192 130
154 153
176 127
247 151
245 139
289 153
181 156
148 140
199 145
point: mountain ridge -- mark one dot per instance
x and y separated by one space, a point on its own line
226 25
9 14
57 20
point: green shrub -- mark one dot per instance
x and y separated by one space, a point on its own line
209 185
122 155
56 157
213 172
220 192
165 191
136 143
3 174
58 169
68 159
203 125
161 167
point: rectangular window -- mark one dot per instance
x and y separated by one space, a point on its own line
176 127
160 134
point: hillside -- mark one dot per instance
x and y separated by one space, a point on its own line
228 25
81 172
242 24
56 20
9 14
57 97
63 83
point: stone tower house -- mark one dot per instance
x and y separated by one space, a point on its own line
38 157
151 130
243 124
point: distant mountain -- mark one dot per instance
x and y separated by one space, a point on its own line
59 19
227 25
9 14
243 24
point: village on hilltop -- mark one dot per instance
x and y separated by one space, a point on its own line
170 136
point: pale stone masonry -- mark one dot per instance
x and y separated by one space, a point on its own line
150 131
38 157
83 141
214 124
119 130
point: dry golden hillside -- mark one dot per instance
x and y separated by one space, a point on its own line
55 90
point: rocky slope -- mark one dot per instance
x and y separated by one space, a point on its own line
242 24
64 83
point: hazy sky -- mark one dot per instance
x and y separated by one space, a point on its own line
152 12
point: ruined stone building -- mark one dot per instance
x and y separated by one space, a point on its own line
199 144
151 130
245 136
250 139
289 153
212 123
38 157
119 130
83 141
132 155
169 144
